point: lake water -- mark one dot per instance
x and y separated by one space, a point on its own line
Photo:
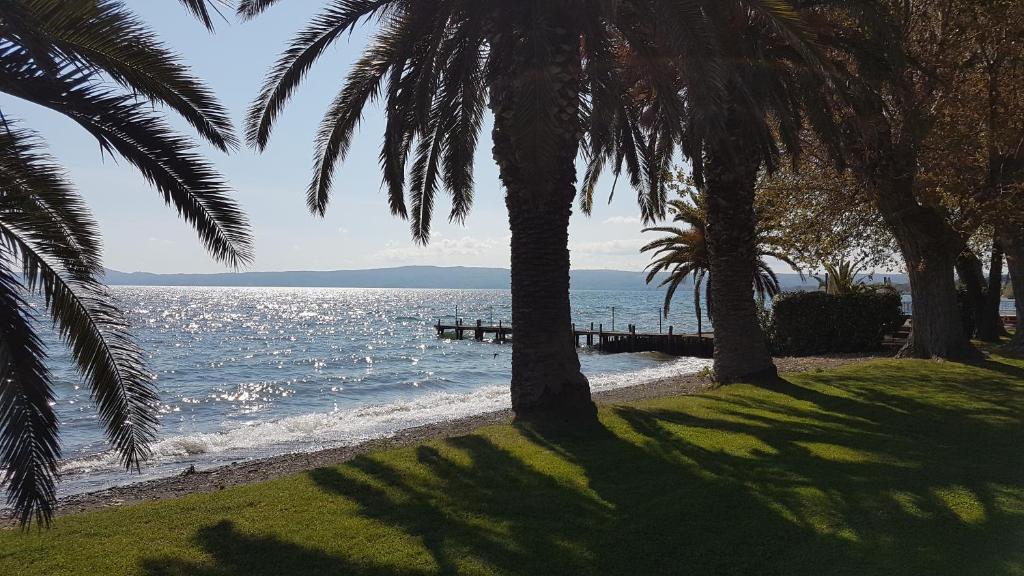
253 372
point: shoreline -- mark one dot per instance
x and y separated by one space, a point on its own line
271 467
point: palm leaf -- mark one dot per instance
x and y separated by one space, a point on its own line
295 62
248 9
97 335
37 200
108 39
167 160
201 10
29 447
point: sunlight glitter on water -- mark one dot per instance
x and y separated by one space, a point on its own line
252 372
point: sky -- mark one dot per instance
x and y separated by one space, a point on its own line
142 234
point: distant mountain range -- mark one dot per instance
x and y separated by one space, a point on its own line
403 277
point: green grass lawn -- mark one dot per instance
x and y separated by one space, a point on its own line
890 467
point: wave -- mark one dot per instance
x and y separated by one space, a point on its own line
315 431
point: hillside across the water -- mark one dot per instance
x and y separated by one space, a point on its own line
405 277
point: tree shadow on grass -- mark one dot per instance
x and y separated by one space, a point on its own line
236 552
809 479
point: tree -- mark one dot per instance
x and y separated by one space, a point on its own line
817 214
767 89
773 86
684 254
913 124
1013 240
96 63
983 294
558 76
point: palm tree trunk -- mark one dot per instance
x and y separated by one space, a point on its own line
537 168
696 306
730 177
929 247
1012 240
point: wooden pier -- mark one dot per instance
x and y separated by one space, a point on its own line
700 346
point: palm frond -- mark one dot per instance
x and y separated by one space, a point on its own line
344 114
424 186
109 40
248 9
97 335
29 447
201 10
461 99
167 160
304 50
40 203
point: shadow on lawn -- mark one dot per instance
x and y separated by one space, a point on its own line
863 481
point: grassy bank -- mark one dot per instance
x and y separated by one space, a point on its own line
880 468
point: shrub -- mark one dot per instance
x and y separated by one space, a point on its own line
804 323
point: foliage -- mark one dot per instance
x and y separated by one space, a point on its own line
433 64
933 98
683 253
841 278
96 63
807 323
857 471
820 215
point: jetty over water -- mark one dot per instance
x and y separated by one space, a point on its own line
611 341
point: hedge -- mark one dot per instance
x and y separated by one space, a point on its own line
805 323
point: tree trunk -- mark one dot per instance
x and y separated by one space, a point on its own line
990 323
696 307
536 158
730 176
968 268
929 247
1012 240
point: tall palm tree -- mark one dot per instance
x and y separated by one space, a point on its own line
557 76
684 254
769 78
96 63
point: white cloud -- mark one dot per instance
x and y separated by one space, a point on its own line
441 249
623 220
621 247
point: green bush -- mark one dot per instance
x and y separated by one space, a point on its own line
805 323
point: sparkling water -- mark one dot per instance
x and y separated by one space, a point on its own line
252 372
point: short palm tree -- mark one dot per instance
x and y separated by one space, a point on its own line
97 64
842 277
558 76
683 254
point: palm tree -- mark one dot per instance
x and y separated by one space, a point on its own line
96 63
684 254
841 277
767 94
557 76
773 91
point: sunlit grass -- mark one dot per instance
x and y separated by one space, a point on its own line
890 467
